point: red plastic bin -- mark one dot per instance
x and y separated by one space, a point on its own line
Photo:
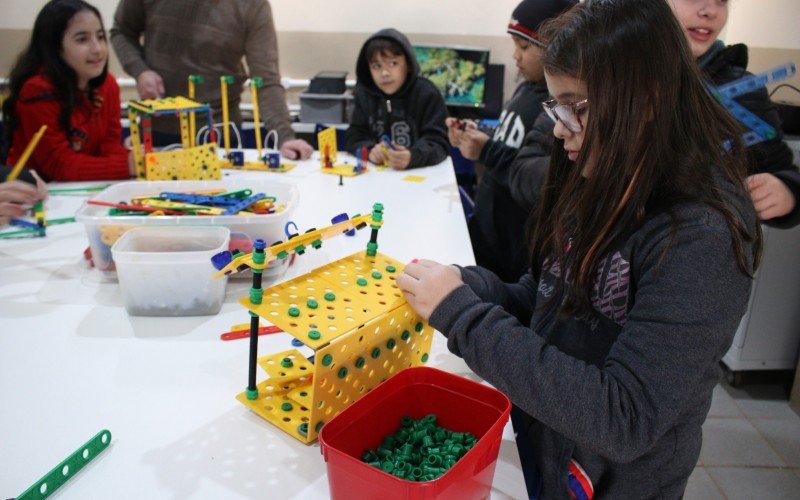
460 404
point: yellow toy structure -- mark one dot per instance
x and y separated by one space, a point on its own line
326 141
271 161
190 163
350 312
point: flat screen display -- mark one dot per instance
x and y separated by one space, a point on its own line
458 72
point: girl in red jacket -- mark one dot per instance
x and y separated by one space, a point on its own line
61 80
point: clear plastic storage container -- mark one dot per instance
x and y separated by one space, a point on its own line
103 229
167 271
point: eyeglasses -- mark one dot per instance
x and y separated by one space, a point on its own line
569 114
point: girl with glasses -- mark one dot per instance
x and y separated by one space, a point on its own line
642 261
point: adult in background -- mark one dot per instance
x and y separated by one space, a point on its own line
211 39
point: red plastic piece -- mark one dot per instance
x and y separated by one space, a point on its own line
243 334
460 405
139 208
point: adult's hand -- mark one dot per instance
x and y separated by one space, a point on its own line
296 149
150 85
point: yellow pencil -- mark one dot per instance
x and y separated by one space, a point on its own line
26 154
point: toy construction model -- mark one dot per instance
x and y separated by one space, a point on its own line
190 163
326 140
759 129
269 162
350 312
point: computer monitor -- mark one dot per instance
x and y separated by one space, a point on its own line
458 72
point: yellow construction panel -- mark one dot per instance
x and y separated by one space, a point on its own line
331 318
175 104
380 292
354 364
197 163
262 167
343 169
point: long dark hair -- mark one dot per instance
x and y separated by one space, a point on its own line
43 53
655 137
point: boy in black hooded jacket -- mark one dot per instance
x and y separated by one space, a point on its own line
394 105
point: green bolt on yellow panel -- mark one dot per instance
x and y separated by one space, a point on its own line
268 407
332 393
378 295
197 163
355 329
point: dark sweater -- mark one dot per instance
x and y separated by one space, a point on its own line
623 390
725 64
413 116
497 227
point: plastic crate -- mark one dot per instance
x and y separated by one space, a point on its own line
460 405
103 230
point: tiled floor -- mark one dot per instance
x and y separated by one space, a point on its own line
751 445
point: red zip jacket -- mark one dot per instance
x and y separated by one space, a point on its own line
91 150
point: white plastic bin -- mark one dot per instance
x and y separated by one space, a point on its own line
103 229
167 271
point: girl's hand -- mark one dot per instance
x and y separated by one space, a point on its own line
770 196
399 157
426 283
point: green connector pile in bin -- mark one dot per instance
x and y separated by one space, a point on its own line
420 450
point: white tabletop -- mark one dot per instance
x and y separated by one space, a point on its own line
72 362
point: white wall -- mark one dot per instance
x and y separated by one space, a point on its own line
759 23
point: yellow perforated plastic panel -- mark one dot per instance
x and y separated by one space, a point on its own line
343 169
350 306
197 163
367 334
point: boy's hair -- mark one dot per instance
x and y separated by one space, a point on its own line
654 138
384 47
43 53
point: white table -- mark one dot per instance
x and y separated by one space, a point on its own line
72 362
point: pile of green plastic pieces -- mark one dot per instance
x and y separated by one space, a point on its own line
420 450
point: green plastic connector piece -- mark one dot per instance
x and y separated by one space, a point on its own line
318 426
196 79
61 473
252 394
294 312
360 362
286 406
312 304
418 327
376 353
424 358
286 363
256 295
372 249
390 344
314 335
377 275
327 360
390 269
227 79
405 335
302 429
282 254
361 282
256 81
330 296
299 249
316 244
342 372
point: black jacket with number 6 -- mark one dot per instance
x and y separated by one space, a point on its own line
413 117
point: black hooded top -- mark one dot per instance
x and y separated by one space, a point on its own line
722 65
413 117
